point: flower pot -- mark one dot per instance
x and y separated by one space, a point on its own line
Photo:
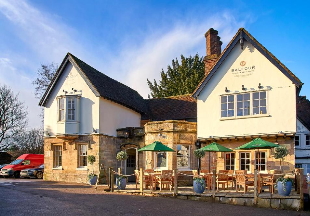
93 180
199 185
284 189
121 183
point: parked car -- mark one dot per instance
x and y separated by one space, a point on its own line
33 172
2 165
24 161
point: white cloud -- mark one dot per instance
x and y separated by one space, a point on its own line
21 85
136 64
44 34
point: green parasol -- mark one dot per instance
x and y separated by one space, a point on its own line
258 143
215 147
156 146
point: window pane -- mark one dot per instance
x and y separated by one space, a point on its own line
223 106
255 95
255 103
230 113
255 111
223 99
262 95
230 106
263 110
230 98
263 102
224 114
161 159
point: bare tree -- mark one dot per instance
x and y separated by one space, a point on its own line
30 141
13 115
45 76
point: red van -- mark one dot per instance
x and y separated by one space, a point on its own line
22 162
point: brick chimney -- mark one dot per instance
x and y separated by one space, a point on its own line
213 46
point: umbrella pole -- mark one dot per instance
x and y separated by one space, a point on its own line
209 163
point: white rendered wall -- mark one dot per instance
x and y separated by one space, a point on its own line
89 103
114 116
281 98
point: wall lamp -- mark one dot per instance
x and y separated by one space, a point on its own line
243 88
226 90
260 86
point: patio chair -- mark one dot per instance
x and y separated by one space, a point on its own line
146 180
266 180
165 180
222 179
245 181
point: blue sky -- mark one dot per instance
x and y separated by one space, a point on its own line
131 41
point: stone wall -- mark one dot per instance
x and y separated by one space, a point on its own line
170 133
103 147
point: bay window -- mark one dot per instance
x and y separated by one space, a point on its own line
67 107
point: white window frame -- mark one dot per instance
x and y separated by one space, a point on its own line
227 106
231 160
246 164
57 156
307 138
156 160
297 140
82 155
261 161
71 104
186 157
61 109
67 107
244 104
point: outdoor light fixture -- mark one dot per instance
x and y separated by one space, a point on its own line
260 86
243 88
65 91
226 90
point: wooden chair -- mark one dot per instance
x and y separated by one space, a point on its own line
266 180
146 179
165 180
245 181
222 179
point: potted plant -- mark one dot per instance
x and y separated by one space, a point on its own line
199 153
199 184
280 153
121 179
92 177
284 186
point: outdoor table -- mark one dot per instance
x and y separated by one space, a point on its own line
152 178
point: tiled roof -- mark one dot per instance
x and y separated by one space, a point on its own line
182 107
303 111
243 34
103 86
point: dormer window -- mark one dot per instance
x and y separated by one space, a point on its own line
67 108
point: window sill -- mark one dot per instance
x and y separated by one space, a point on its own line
57 168
82 168
244 117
